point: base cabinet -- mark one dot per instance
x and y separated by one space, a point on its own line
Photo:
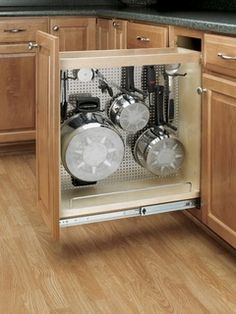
17 82
219 156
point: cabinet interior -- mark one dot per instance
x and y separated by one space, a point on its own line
135 186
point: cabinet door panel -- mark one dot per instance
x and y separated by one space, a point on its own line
118 34
17 89
48 140
111 34
75 33
219 154
103 34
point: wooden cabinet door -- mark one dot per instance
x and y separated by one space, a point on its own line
118 34
103 34
219 157
111 34
48 130
75 33
17 90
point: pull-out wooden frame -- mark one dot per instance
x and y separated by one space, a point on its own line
57 204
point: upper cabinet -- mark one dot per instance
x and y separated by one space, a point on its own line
75 33
146 36
111 34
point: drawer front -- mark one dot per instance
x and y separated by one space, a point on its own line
220 54
21 30
147 36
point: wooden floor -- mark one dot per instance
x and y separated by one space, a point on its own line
156 264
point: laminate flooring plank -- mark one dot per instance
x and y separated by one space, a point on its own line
151 265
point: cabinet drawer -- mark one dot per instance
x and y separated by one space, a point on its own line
220 54
146 36
21 30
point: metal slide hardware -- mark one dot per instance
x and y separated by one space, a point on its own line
143 211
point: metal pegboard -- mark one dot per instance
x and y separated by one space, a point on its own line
129 170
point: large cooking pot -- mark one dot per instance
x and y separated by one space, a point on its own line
91 147
159 151
128 113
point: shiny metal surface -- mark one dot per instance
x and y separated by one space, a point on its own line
129 114
91 148
159 152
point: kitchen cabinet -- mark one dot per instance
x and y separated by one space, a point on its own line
111 34
75 33
65 206
219 140
17 83
146 36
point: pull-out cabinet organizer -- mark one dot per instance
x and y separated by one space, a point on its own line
131 190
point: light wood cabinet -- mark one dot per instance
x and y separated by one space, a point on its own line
75 33
111 34
17 82
146 36
218 139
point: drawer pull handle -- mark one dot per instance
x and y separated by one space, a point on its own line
31 45
225 57
14 30
141 38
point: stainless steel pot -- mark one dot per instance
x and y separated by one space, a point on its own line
91 147
129 114
159 152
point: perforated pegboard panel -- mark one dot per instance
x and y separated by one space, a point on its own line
129 170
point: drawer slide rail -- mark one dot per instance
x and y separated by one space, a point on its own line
143 211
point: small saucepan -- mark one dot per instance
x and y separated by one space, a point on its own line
159 151
128 113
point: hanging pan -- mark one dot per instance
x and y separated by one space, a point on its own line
156 149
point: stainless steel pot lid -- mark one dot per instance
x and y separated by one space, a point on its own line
92 152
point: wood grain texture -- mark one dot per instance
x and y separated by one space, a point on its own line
157 264
75 33
146 36
219 184
48 129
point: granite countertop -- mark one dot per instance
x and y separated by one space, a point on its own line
220 22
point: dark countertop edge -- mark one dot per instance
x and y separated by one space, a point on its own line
185 20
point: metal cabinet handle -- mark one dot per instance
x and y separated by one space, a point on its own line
201 90
14 30
55 28
225 57
31 45
141 38
116 24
